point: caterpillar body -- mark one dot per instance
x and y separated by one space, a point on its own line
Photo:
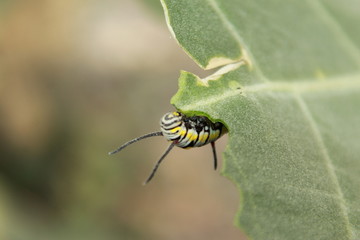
184 132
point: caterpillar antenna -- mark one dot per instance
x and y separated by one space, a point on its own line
153 134
158 163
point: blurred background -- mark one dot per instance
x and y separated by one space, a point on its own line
77 79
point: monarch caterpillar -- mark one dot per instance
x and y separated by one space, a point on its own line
184 132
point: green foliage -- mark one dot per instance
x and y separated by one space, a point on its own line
291 106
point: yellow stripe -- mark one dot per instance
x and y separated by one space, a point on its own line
182 133
194 137
174 129
214 136
189 135
204 136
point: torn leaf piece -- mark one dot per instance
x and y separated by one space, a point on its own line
202 33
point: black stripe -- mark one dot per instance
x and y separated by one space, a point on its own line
181 139
197 139
169 128
168 124
207 138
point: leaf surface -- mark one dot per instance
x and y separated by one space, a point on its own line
289 93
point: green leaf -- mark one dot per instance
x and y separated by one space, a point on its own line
289 94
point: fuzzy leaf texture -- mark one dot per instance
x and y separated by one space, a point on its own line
289 93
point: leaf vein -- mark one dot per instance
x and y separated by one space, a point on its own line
327 160
351 82
307 85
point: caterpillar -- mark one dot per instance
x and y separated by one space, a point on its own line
184 132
